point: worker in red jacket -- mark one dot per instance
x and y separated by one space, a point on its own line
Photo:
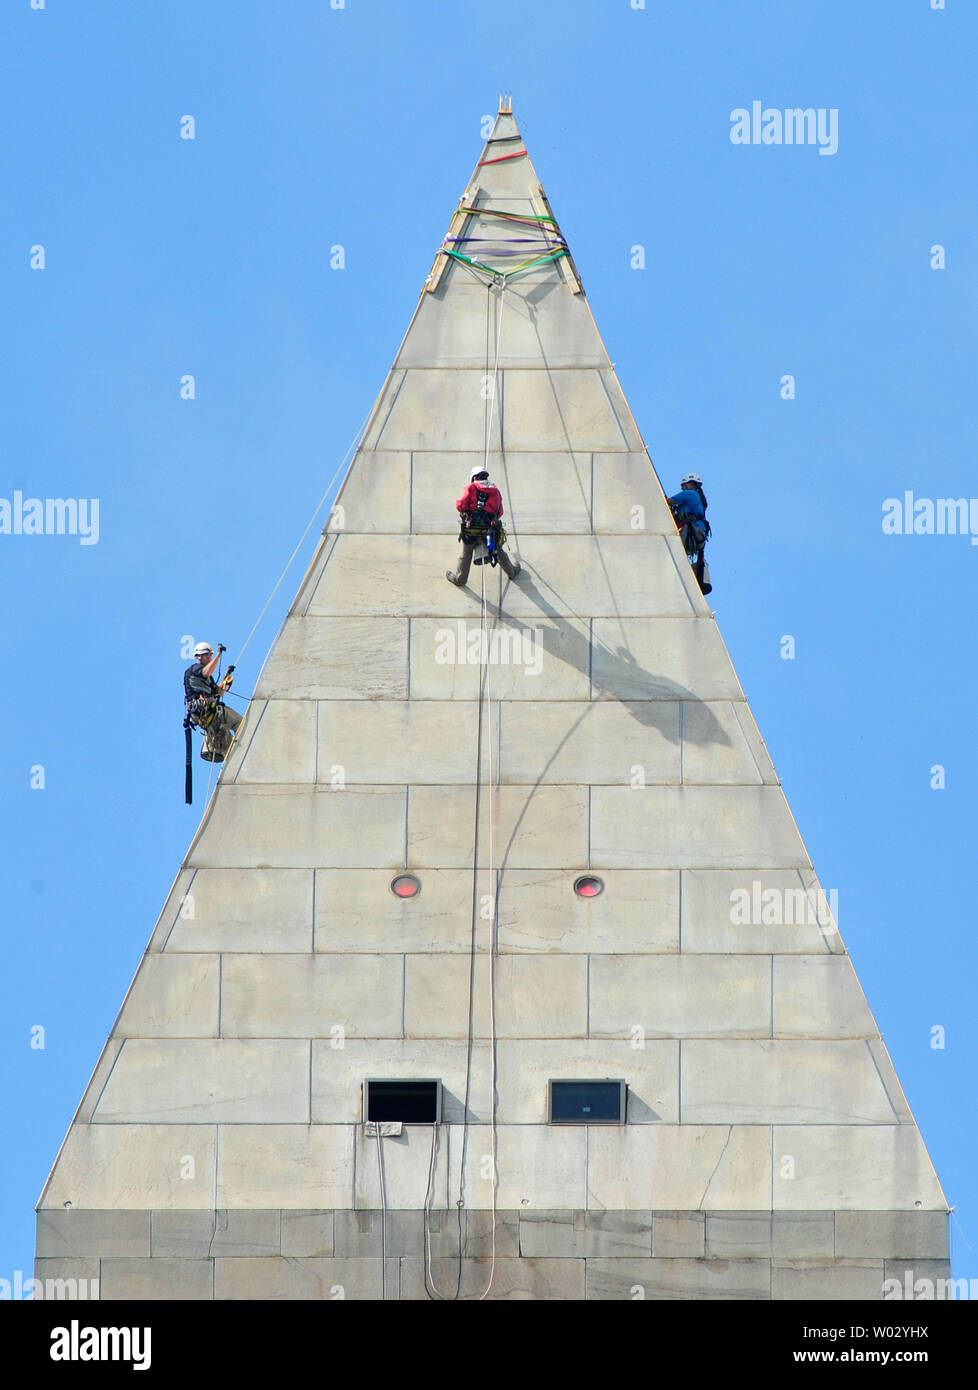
480 508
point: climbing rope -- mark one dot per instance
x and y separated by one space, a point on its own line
248 699
484 723
322 501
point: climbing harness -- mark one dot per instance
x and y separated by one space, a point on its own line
201 712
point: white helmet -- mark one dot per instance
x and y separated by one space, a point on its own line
692 478
478 472
203 647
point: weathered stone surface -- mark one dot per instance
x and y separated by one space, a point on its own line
702 827
585 1233
637 913
304 1277
365 1233
892 1234
679 657
679 1167
738 1235
157 1278
803 1235
204 1234
338 659
602 741
307 1232
241 910
680 996
514 1280
297 1166
121 1167
770 1081
375 496
309 996
678 1234
196 1081
69 1233
565 576
679 1279
282 743
820 997
861 1280
172 997
294 827
853 1168
537 657
720 745
356 911
535 997
441 827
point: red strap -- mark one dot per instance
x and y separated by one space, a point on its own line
518 155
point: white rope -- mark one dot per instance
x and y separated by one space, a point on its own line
356 439
495 370
322 501
493 886
383 1215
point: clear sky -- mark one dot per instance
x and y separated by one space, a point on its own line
359 127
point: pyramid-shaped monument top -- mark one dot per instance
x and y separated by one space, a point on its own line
492 746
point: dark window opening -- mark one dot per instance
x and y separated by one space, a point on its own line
587 1102
411 1102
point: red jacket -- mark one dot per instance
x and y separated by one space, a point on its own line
469 500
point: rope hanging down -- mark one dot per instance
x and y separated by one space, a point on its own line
484 728
188 773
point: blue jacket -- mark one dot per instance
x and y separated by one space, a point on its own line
689 501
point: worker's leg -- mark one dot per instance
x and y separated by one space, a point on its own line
507 565
464 565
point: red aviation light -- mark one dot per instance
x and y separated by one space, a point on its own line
588 886
406 886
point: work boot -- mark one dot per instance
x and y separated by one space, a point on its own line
517 569
450 576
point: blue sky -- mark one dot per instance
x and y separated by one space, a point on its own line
360 126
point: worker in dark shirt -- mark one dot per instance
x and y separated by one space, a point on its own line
204 698
480 508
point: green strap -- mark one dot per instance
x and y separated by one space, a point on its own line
506 274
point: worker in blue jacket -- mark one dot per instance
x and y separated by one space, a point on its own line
689 509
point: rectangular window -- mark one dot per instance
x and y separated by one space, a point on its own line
587 1103
411 1102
